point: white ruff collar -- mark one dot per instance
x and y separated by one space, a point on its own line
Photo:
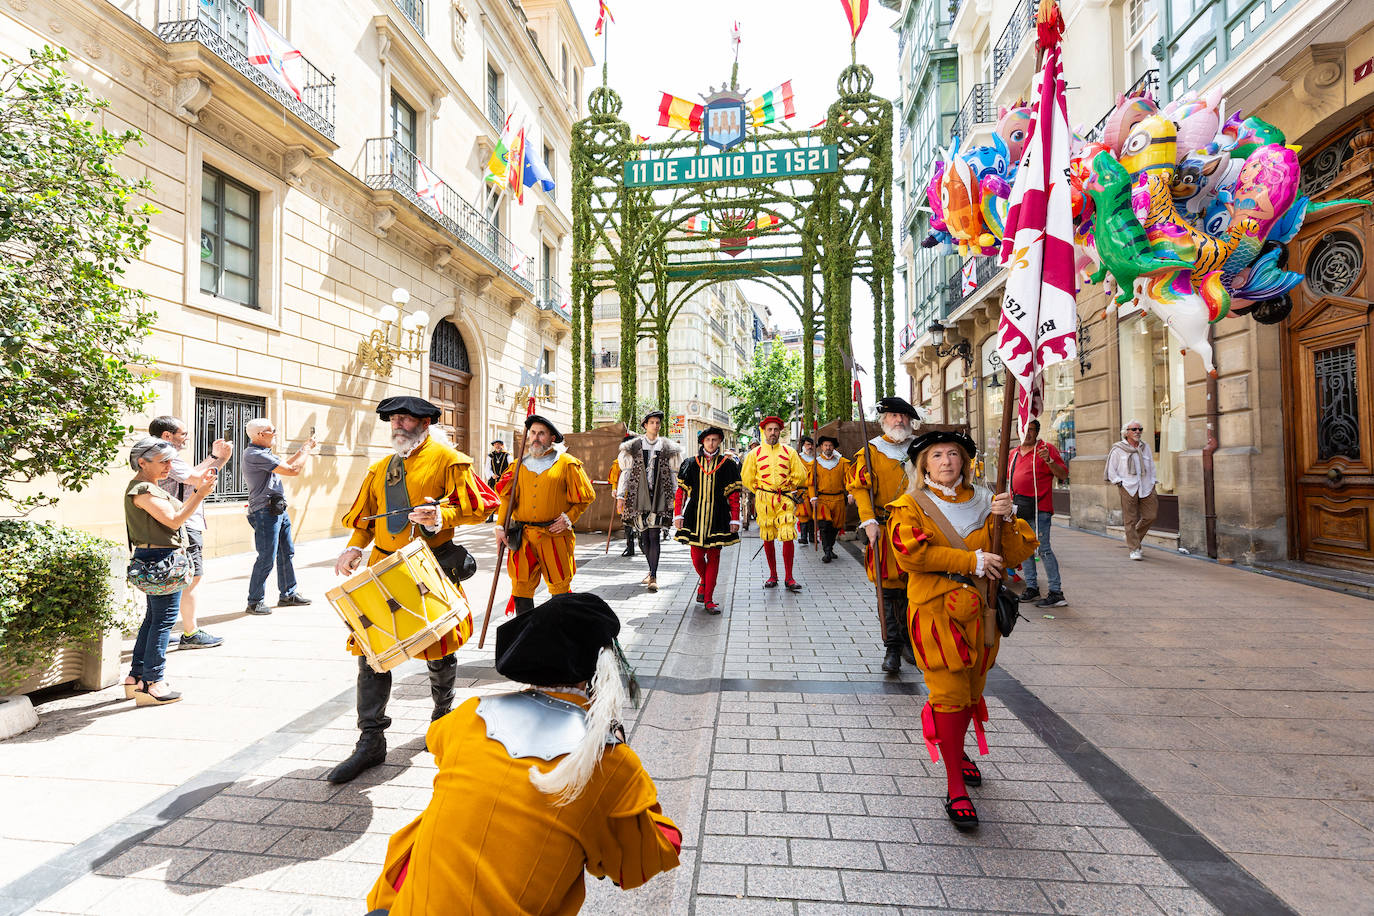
894 450
828 463
948 492
543 462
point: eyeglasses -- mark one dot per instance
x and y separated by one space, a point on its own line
1135 429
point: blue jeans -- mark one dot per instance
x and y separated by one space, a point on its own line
272 537
150 648
1042 531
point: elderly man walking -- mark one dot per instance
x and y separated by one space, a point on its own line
1131 466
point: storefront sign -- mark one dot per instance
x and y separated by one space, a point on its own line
678 425
1364 69
772 163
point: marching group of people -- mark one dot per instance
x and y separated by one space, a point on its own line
584 801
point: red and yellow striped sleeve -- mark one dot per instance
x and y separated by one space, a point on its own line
579 488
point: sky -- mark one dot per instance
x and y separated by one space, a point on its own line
683 47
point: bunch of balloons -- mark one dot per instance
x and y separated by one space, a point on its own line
969 192
1189 212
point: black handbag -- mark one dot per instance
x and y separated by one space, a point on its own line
1025 507
1008 610
455 560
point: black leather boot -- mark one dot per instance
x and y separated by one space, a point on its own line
522 605
443 673
629 543
373 692
892 660
894 608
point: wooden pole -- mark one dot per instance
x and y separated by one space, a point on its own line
505 520
877 544
1009 397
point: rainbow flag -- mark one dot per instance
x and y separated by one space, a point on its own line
774 105
679 114
856 11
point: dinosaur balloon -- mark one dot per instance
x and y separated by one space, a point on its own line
1123 248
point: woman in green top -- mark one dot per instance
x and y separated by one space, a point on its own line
153 518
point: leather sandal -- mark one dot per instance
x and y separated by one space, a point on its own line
144 697
964 819
701 594
972 775
712 608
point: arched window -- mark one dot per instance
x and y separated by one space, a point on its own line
447 347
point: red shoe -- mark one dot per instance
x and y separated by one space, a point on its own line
772 582
792 585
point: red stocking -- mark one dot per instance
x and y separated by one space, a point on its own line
712 570
788 549
949 730
699 555
772 556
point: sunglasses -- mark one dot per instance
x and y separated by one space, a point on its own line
1135 429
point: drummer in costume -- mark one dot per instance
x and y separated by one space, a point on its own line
613 478
423 469
806 522
552 492
946 586
896 417
706 510
534 788
775 473
828 495
644 496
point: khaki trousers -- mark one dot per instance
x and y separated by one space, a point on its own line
1137 515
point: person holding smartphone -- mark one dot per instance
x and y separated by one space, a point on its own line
1035 466
264 470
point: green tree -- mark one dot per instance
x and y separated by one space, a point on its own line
70 331
773 387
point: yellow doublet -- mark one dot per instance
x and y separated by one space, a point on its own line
434 470
945 617
890 484
828 489
491 844
564 488
769 472
804 507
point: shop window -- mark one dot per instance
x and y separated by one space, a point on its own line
955 407
1152 391
1056 419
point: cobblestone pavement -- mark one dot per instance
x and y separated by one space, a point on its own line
794 767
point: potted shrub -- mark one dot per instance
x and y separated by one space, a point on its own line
62 603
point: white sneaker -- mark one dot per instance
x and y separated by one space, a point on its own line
1137 554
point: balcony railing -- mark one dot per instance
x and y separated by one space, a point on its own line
1022 21
605 408
718 326
717 371
608 359
977 109
743 353
549 296
390 166
1149 83
954 6
721 417
607 310
495 113
414 10
222 26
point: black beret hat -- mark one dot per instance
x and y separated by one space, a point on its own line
897 405
410 405
710 431
556 643
938 437
542 421
649 415
831 439
804 440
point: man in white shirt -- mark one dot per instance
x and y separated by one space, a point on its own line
1131 466
182 480
644 493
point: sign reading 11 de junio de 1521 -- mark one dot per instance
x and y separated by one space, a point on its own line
773 163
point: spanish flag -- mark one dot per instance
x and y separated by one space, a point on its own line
515 166
774 105
856 11
679 114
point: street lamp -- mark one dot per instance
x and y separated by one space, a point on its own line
378 351
962 349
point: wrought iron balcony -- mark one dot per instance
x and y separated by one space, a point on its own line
721 417
495 113
550 296
1148 83
414 10
954 6
390 166
717 371
606 310
743 354
608 359
977 109
718 326
1021 23
222 26
605 408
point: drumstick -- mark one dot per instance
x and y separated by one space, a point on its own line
368 518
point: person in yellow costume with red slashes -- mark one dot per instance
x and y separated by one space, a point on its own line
946 588
776 475
534 788
422 469
552 491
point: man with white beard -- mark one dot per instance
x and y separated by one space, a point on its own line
888 480
423 469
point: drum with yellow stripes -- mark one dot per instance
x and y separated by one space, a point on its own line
400 606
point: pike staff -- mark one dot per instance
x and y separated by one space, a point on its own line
505 521
815 518
873 500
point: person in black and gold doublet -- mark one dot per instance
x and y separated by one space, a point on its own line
706 512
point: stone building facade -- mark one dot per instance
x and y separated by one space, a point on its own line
292 209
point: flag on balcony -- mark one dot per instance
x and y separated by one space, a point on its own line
536 172
679 114
856 11
515 166
968 276
1039 315
496 164
565 305
774 105
427 186
274 56
517 263
603 15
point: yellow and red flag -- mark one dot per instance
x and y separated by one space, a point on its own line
856 11
515 166
679 114
603 15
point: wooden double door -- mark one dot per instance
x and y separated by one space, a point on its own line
1329 371
448 389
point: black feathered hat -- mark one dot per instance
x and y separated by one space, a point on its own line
647 416
558 642
897 405
938 437
543 421
409 405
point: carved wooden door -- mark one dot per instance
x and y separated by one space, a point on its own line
449 381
